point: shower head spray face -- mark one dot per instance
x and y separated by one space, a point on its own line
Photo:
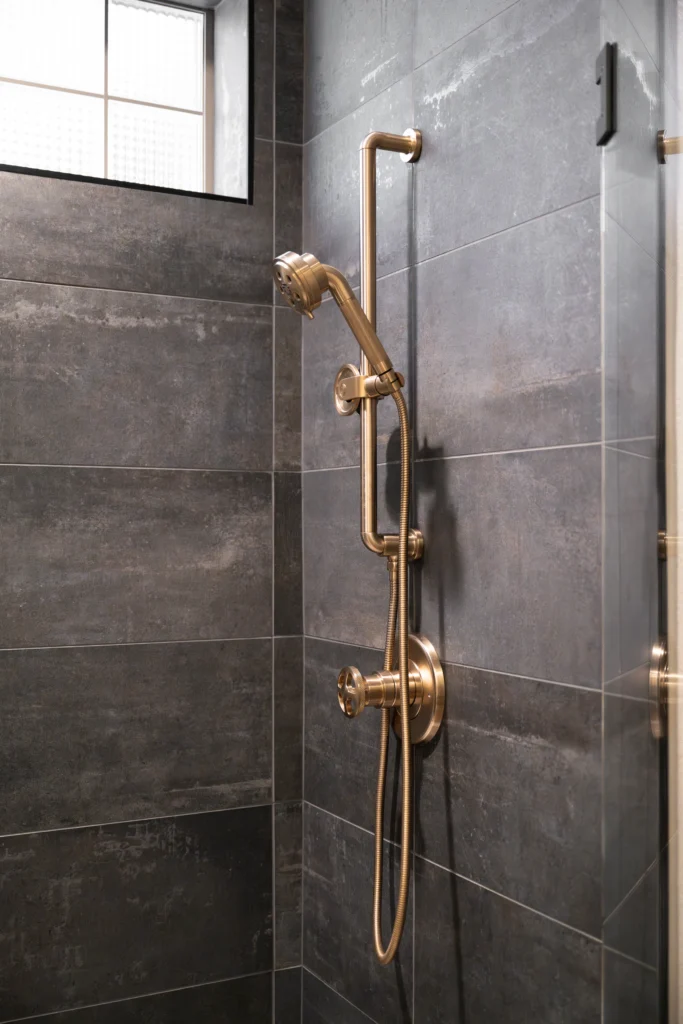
301 280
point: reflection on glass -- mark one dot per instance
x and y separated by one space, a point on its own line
154 146
156 54
53 42
51 130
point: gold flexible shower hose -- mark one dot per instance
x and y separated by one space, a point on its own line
398 601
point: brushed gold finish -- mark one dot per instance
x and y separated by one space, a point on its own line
345 404
668 146
354 385
659 689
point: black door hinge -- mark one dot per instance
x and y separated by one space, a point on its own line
605 69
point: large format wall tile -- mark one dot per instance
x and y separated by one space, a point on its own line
338 946
345 586
288 693
341 754
103 913
143 730
631 991
508 793
331 440
497 149
630 591
633 928
439 23
287 991
74 232
287 385
287 826
264 68
345 67
289 71
509 351
287 566
631 797
241 1001
288 185
106 556
511 576
480 957
116 378
332 187
322 1005
632 280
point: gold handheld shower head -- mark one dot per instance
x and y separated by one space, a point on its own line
302 281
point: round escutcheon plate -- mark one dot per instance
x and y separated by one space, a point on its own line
426 717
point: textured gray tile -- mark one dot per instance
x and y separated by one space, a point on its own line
287 566
631 563
512 568
645 17
289 70
631 309
107 556
117 378
346 586
73 232
332 187
287 400
288 692
633 927
322 1005
631 797
288 996
143 730
341 754
288 184
264 68
187 900
331 440
439 23
338 946
631 992
508 120
509 349
632 173
354 50
509 792
480 957
241 1001
287 871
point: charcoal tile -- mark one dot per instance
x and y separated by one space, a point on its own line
338 946
288 184
354 50
633 927
332 187
143 730
287 403
289 70
264 68
631 992
631 797
103 236
483 108
287 564
341 754
287 829
508 793
511 577
476 953
322 1005
288 691
241 1001
167 381
187 899
509 351
288 996
110 556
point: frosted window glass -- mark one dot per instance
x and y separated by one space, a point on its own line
156 54
50 130
155 146
53 42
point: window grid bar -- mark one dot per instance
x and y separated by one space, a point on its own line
99 96
106 88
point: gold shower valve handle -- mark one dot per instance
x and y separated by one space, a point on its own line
382 689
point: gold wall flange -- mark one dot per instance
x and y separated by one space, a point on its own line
659 689
355 692
345 404
668 145
414 135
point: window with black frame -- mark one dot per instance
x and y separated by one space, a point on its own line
130 91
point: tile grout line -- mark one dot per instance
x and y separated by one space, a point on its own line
135 643
339 995
136 469
132 291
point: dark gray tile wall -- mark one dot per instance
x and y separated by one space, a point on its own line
534 485
150 450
